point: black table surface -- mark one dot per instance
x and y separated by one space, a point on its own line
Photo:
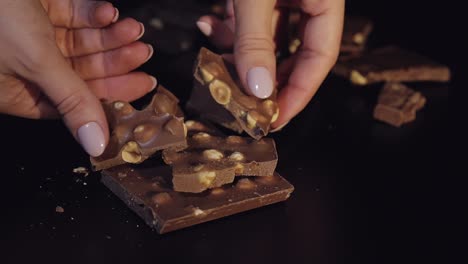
365 192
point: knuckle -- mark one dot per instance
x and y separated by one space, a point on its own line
73 103
254 43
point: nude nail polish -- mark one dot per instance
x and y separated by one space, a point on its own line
259 82
205 28
91 137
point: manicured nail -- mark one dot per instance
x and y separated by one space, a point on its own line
91 137
279 128
116 15
142 31
155 82
151 51
260 82
205 28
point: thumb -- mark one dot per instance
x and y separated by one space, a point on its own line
254 49
81 111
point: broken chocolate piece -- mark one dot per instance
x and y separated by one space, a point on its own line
136 135
397 104
356 31
217 97
148 192
391 64
210 161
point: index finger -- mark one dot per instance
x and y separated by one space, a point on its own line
315 58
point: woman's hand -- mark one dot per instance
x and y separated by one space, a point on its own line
249 28
59 57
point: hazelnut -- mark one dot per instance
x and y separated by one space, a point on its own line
235 140
206 75
220 92
217 191
237 156
163 104
198 167
206 177
161 198
197 211
239 169
189 123
245 184
357 78
172 126
145 132
124 108
271 109
253 117
294 45
212 154
131 152
201 135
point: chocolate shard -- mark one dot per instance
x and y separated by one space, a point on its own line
148 192
217 97
137 135
211 161
391 64
397 104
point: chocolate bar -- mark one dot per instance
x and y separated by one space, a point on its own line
356 31
210 161
136 135
147 190
397 104
391 64
217 97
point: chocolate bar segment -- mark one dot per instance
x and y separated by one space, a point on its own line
391 64
397 104
136 135
217 97
211 161
148 192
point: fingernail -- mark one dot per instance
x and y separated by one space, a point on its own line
279 128
151 51
155 82
205 28
116 15
142 32
260 82
91 137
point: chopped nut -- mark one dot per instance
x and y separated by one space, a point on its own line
163 104
201 135
237 156
59 209
131 152
81 170
357 78
161 198
235 140
197 211
358 38
239 169
123 108
294 45
206 75
206 177
217 191
198 167
189 123
185 130
145 132
271 109
220 91
245 184
253 117
212 154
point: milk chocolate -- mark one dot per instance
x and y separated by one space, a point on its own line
136 135
397 104
391 64
217 97
147 190
210 161
356 31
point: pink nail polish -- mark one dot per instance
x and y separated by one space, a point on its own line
259 82
116 15
91 137
205 28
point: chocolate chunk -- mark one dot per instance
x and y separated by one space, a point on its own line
136 135
397 104
391 64
356 31
210 161
148 192
217 97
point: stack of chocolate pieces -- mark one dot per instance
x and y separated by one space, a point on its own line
207 174
397 103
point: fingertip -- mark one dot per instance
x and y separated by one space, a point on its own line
259 82
104 14
92 138
205 28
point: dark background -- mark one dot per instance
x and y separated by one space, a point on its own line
365 192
